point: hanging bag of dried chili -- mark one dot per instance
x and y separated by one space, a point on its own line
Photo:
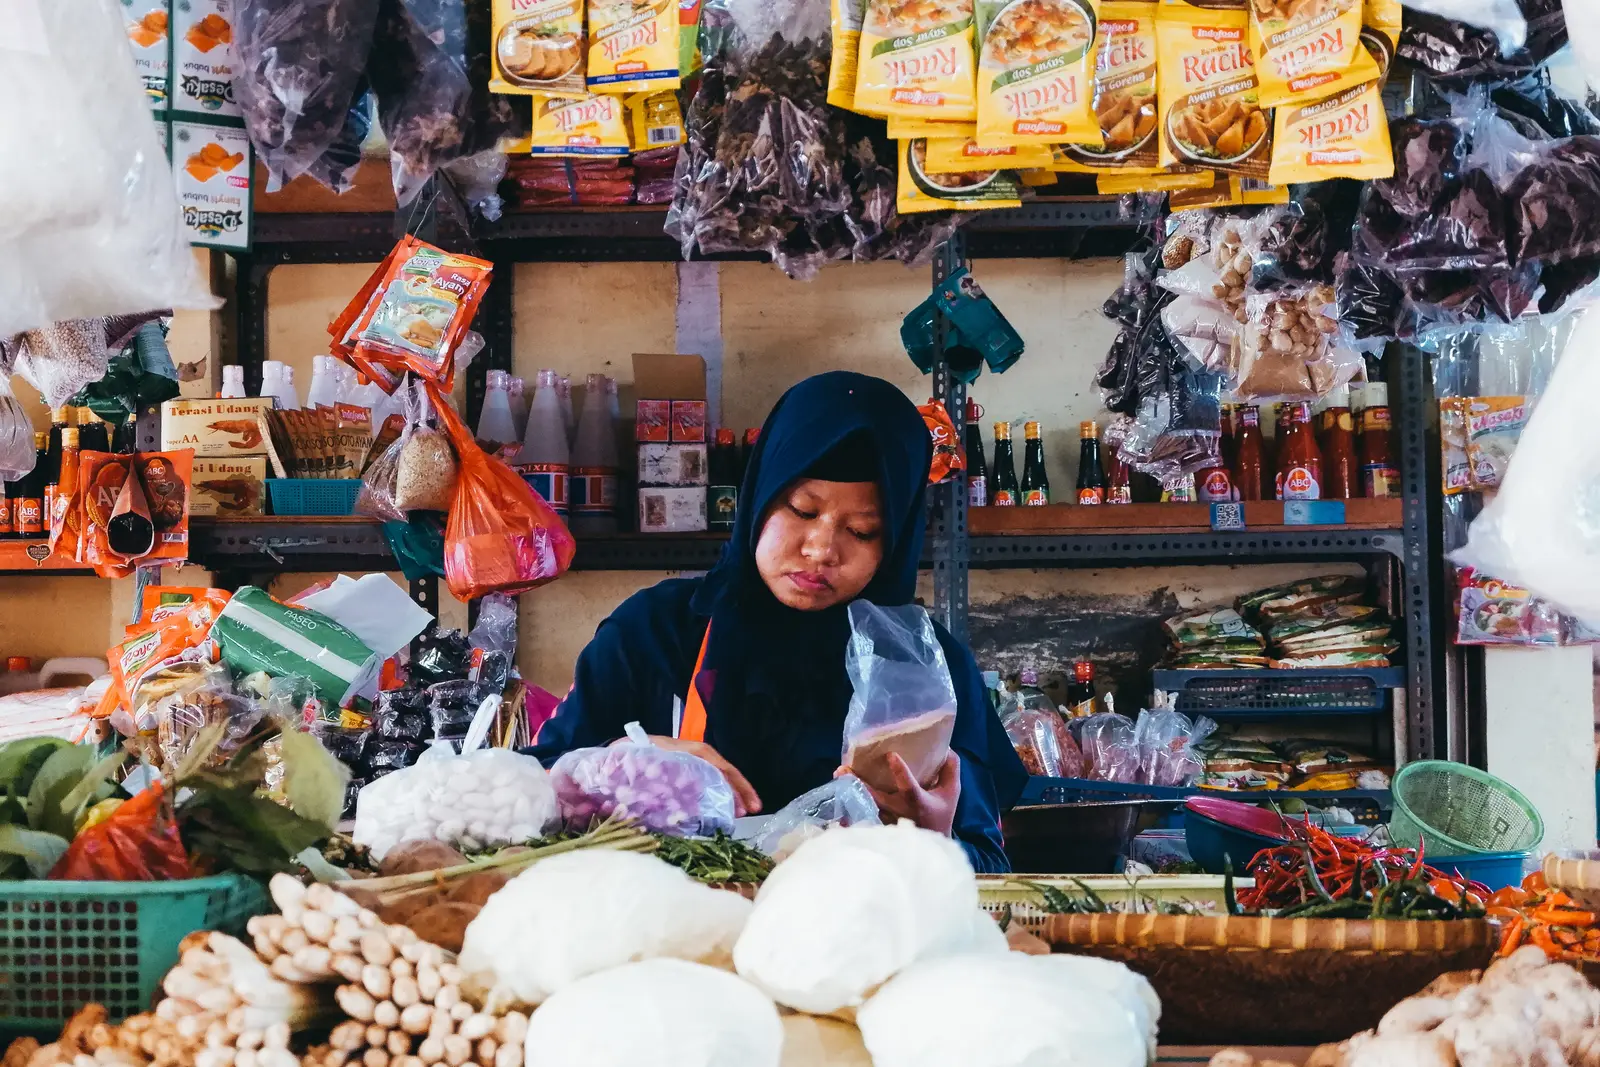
501 537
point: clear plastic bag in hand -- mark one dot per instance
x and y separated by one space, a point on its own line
669 792
91 225
903 702
301 65
844 801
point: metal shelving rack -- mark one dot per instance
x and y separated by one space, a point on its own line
1070 228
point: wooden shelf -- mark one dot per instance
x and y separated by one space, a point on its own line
1260 516
33 557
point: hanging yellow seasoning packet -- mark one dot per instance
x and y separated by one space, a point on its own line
846 17
633 46
1124 93
963 156
654 121
1036 72
538 47
1343 136
923 190
1115 183
904 129
916 60
1211 114
589 128
1308 50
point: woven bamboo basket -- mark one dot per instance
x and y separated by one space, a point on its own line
1259 981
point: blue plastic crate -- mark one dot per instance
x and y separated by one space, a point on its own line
1258 694
314 496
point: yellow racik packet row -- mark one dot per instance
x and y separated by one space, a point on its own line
1308 50
1345 135
904 129
923 190
1036 72
963 155
593 127
1115 183
1124 93
1211 114
916 60
633 46
538 47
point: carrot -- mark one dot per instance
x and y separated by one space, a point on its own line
1535 882
1563 916
1512 937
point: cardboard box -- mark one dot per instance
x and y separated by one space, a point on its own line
672 466
215 429
229 487
672 510
652 421
688 421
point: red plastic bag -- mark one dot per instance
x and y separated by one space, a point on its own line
138 843
501 536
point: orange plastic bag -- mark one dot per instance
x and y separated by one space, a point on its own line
138 843
948 455
501 537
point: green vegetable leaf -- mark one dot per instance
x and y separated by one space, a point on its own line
95 786
21 760
250 832
314 781
57 778
40 851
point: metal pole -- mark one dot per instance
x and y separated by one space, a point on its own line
948 528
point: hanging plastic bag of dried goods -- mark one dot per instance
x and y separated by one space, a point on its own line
427 468
17 456
1503 18
300 73
429 69
1541 531
501 537
91 225
1454 52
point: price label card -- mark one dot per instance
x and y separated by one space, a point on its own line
1313 512
1227 516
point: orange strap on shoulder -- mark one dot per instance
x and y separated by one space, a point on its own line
693 726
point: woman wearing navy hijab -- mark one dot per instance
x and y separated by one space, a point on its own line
832 510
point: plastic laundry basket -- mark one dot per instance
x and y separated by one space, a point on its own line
65 944
1452 810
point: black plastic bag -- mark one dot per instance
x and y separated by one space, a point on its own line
1455 54
300 68
1554 203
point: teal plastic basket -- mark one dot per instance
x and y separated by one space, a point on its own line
66 944
1454 810
314 496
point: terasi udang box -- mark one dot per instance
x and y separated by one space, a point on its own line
229 487
215 429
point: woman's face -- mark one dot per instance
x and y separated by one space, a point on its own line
821 543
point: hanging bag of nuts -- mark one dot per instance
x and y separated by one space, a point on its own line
426 470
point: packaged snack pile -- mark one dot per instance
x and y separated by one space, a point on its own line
1316 622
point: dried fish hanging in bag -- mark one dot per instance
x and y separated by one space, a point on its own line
430 72
301 65
769 166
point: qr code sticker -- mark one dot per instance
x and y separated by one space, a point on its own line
1227 516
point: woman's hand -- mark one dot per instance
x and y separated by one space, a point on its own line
745 800
931 807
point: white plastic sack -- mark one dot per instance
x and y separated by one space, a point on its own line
1541 531
584 912
89 218
853 907
483 798
661 1013
1005 1010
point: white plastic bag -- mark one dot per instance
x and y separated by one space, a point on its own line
483 798
1502 17
1583 29
1541 531
89 218
904 701
844 801
668 792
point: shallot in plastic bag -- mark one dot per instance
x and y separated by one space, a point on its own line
669 792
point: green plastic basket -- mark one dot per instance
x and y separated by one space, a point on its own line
65 944
1452 810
